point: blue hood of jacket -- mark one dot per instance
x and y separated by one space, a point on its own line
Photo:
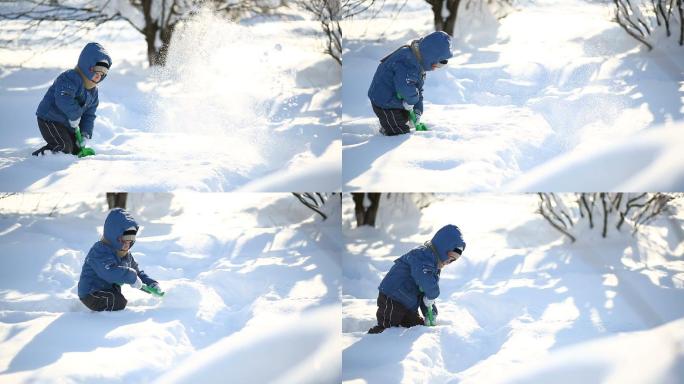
446 239
118 220
91 54
434 48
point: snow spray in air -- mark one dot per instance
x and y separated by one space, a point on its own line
219 83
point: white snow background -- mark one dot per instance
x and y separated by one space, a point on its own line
252 282
553 97
523 304
251 105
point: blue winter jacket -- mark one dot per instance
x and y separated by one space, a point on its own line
102 266
401 72
417 270
67 99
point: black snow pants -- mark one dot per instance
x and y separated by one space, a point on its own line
58 138
392 313
392 121
106 300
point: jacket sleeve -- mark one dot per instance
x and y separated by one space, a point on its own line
109 270
88 118
143 276
426 276
423 308
419 106
65 98
406 83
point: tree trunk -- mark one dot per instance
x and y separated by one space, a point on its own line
366 216
154 30
116 199
150 32
680 7
442 22
165 34
359 210
450 21
372 211
437 13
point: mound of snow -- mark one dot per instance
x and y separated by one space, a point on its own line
648 161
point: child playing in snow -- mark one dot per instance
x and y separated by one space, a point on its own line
402 74
71 102
412 282
109 264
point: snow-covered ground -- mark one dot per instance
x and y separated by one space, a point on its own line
554 96
252 106
523 304
650 160
252 281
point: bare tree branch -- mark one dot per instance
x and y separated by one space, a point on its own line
551 217
641 19
313 201
159 19
329 13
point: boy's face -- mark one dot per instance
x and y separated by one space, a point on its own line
440 64
126 244
97 77
453 256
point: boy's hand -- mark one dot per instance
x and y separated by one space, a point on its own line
153 289
74 123
428 303
407 106
137 284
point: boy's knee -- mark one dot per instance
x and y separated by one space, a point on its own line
106 302
94 305
71 146
411 320
396 131
121 303
70 149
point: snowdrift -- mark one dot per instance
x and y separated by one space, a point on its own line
245 275
237 102
523 304
649 161
549 81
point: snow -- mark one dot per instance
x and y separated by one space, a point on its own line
252 285
552 81
647 161
523 304
237 103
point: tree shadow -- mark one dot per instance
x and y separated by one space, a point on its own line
20 87
609 295
362 279
359 158
70 332
378 358
618 298
577 292
661 94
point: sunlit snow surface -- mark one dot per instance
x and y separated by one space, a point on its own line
522 304
252 105
252 284
527 103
